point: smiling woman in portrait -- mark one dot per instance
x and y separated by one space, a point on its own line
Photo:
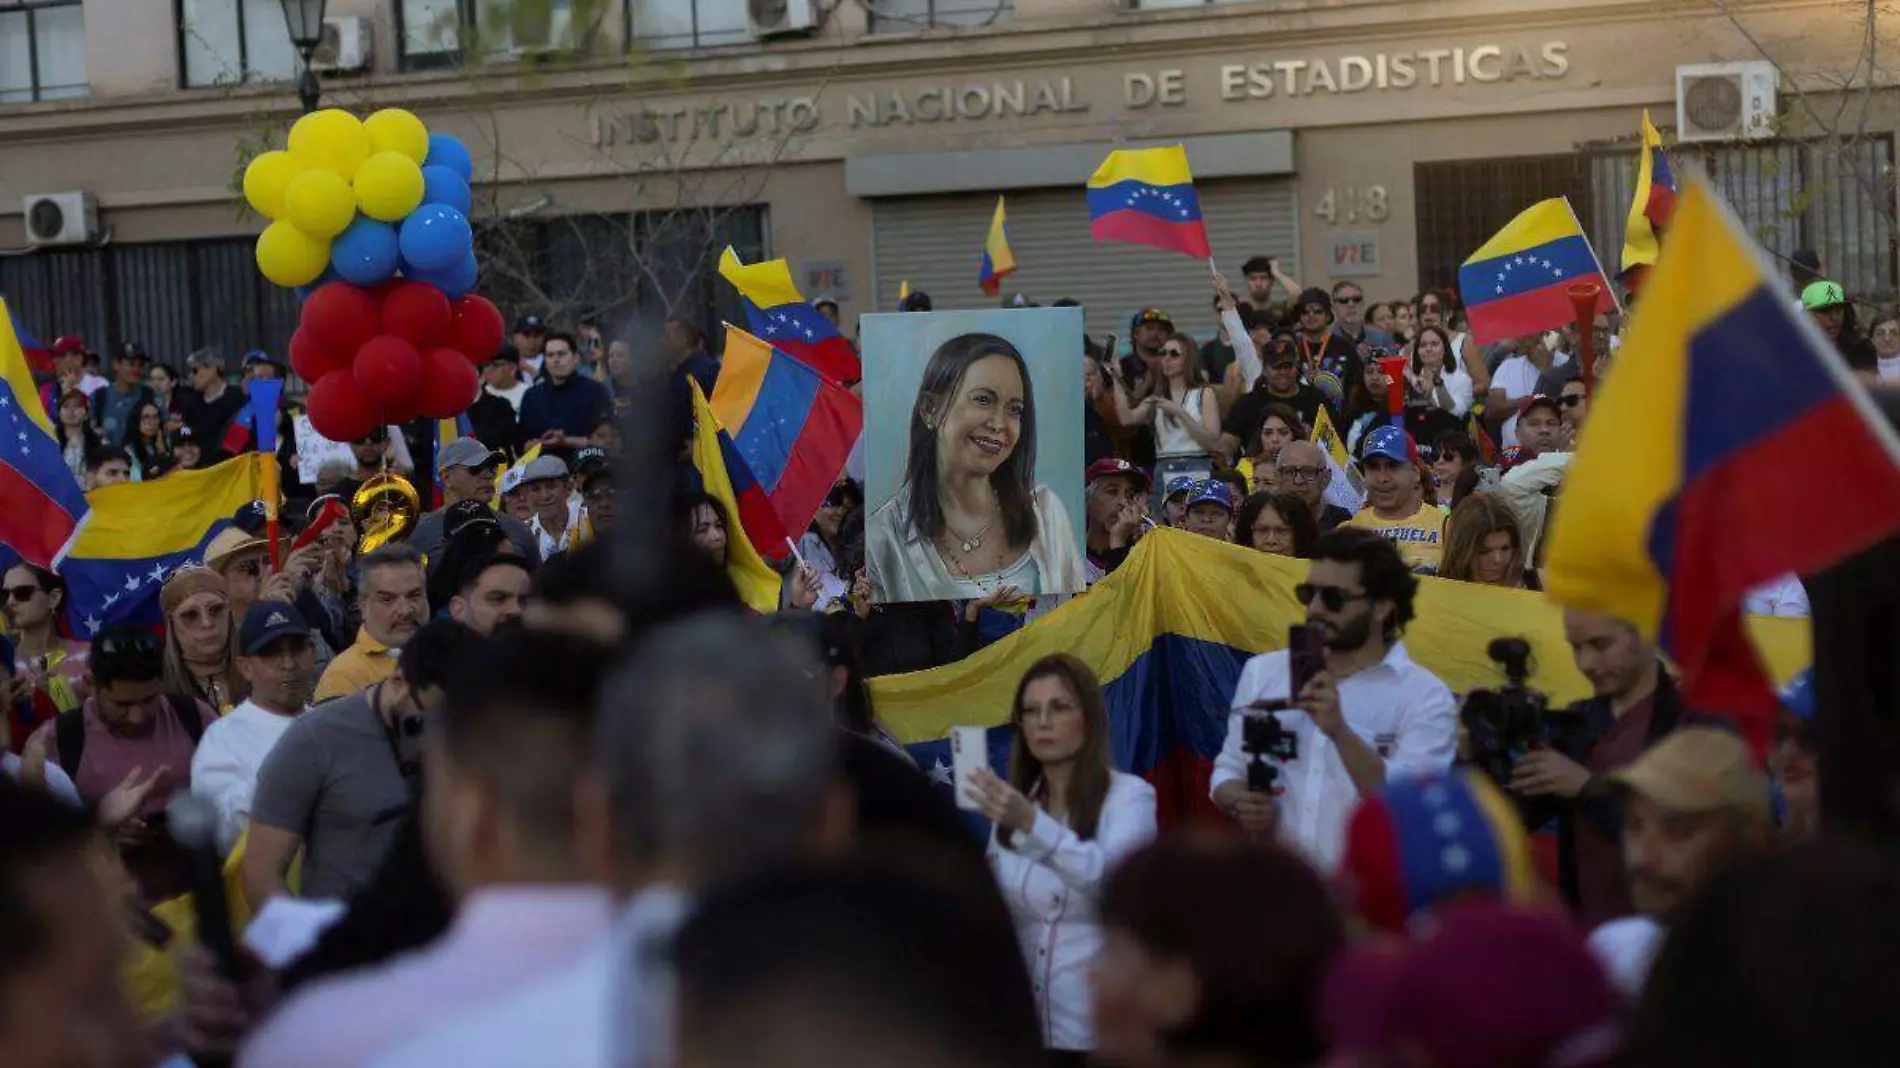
969 519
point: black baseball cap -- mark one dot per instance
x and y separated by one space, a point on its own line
529 324
267 621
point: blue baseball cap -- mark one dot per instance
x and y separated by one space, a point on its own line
1177 485
1798 696
1392 443
1213 491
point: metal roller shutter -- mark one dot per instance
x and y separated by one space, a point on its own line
936 243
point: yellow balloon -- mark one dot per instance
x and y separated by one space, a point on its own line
396 130
290 257
388 186
331 140
266 179
319 203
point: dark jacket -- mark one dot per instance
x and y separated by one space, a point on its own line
493 421
573 407
1574 733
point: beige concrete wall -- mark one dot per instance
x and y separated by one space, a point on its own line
615 136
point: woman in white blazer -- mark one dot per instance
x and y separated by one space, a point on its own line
1063 820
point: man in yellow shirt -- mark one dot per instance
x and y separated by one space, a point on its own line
1395 500
395 604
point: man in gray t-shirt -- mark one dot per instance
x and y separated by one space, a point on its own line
332 784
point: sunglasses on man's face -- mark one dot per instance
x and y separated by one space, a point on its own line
1349 300
1312 309
21 594
1332 598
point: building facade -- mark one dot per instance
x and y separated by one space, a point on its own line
617 141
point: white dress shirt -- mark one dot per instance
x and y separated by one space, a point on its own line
502 936
1784 596
1052 879
224 767
1399 709
596 1012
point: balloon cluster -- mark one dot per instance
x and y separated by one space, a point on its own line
361 201
390 354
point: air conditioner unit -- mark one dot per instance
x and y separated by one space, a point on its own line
61 219
345 48
1725 101
781 18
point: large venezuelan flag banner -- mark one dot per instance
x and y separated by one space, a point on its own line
1729 445
41 507
1146 196
1169 631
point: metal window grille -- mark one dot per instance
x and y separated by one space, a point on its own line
1461 204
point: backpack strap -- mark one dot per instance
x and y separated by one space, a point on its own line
69 734
186 709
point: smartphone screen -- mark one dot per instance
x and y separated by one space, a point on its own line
969 750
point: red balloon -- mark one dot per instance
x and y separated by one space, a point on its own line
417 313
339 410
475 329
390 371
311 360
448 384
341 317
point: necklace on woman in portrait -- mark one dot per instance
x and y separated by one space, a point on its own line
974 541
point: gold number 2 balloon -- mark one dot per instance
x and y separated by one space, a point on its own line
385 509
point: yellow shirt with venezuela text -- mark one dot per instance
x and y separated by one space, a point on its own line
1420 537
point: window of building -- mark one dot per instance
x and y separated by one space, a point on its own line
228 42
42 50
1831 197
1461 204
662 24
898 16
440 33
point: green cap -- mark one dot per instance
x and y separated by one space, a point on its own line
1822 295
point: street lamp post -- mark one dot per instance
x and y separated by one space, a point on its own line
304 20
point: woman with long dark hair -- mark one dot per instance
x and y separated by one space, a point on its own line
151 447
1184 412
969 519
1485 545
74 430
1277 523
1062 820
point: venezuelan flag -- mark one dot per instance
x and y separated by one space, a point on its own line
44 506
1146 196
794 429
723 473
1516 284
1728 426
777 312
141 532
38 357
1346 489
998 261
1168 632
1649 213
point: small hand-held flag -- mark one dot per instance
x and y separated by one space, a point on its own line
1516 283
998 261
1649 212
1146 196
1729 424
778 313
44 508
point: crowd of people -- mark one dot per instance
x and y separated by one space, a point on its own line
478 803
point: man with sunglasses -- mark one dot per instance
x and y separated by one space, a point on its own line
1349 317
1279 384
467 469
1370 715
130 732
276 656
1323 349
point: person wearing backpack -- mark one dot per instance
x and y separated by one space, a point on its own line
130 730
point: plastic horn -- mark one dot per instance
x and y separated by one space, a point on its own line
1583 297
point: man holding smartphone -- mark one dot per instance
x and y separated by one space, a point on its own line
1366 715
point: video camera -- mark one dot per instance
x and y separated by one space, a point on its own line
1262 736
1508 722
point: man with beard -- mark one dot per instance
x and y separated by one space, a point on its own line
1370 715
276 656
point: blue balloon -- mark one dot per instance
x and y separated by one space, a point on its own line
454 282
446 151
441 185
435 238
365 253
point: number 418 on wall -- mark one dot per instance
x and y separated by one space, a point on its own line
1354 203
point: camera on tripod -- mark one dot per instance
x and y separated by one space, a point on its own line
1263 738
1508 722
